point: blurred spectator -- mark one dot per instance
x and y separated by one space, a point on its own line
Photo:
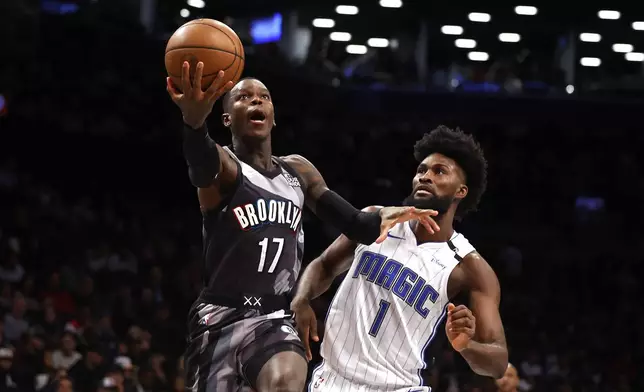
14 322
66 356
11 271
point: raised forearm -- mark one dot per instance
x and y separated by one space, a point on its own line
319 275
314 282
486 359
202 155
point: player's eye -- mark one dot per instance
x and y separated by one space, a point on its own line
440 170
243 96
266 97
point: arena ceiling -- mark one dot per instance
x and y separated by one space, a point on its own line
616 37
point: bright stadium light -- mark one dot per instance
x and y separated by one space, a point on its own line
196 3
465 43
478 56
391 3
346 10
340 36
323 23
452 30
570 89
590 62
622 48
356 49
378 42
638 26
608 14
634 56
479 17
590 37
184 13
509 37
525 10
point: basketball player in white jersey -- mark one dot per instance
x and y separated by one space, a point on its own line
396 293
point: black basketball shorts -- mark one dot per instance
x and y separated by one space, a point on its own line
227 347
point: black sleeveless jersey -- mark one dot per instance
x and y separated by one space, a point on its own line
254 242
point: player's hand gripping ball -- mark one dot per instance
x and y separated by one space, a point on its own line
460 327
196 104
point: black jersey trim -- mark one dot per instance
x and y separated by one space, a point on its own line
455 250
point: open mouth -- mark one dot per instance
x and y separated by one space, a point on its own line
257 117
422 191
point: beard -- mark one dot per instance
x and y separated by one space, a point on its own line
437 203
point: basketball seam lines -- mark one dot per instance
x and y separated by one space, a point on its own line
206 47
221 31
224 33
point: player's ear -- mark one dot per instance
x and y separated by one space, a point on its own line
225 119
461 192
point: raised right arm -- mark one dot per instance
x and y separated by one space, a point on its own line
212 171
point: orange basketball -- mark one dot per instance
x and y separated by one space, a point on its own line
208 41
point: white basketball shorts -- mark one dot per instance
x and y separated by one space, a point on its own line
325 379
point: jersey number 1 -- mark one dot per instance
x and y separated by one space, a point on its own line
380 317
262 257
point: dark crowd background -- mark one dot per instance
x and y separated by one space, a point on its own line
100 228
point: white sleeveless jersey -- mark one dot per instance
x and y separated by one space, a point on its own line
387 310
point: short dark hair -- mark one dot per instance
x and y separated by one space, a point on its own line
226 99
468 154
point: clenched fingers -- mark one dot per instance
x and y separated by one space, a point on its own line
461 323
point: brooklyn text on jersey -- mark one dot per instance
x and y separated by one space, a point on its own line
264 212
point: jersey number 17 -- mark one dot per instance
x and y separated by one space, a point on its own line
262 257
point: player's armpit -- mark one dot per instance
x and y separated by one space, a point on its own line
331 208
487 353
211 169
335 260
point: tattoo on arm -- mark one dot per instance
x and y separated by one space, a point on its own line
314 183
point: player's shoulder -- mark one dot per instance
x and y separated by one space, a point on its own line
479 274
295 159
476 265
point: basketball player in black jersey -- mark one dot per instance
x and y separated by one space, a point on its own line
240 329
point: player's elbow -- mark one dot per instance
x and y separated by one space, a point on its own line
200 178
500 365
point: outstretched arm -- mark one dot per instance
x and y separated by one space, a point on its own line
361 226
486 352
